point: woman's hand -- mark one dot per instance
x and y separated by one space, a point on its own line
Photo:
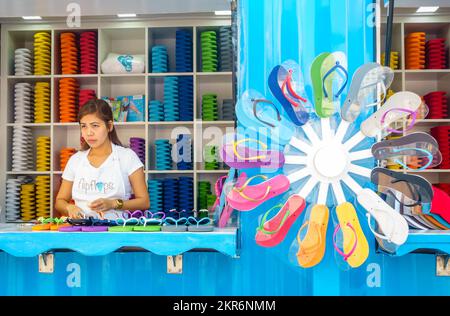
74 211
102 205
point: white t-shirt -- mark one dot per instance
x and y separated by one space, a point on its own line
128 160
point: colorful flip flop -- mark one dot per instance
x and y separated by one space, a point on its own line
148 225
440 204
203 224
311 248
254 111
415 145
286 84
272 232
124 225
329 77
240 156
174 225
364 84
416 192
392 226
245 197
397 107
356 247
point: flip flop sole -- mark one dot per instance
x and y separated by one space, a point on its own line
319 219
317 82
346 214
148 228
174 228
200 228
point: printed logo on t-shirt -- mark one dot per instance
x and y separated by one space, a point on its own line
95 187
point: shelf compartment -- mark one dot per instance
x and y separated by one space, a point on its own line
84 82
57 50
121 41
11 94
171 133
165 36
36 132
20 39
213 85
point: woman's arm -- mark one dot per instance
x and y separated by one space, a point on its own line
62 204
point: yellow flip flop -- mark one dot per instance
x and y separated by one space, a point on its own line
356 247
312 248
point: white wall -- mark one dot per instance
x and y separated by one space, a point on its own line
53 8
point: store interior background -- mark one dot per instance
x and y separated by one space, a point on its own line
257 271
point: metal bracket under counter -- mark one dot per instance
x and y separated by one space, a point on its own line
442 265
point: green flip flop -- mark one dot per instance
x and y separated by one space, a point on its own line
316 79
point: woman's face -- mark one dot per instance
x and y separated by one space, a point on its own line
94 130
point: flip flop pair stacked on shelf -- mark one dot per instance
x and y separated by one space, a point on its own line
415 50
42 54
435 54
437 104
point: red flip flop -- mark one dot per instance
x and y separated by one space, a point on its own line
272 232
440 203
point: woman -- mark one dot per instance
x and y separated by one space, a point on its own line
101 177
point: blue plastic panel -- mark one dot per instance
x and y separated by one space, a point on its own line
29 244
436 240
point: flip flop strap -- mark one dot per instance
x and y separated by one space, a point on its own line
191 219
235 144
173 221
429 156
329 72
383 87
312 249
247 182
248 198
264 220
413 121
287 83
343 254
401 203
377 234
417 197
44 220
255 103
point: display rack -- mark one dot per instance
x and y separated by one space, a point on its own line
119 37
421 82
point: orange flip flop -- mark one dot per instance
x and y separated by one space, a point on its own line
312 248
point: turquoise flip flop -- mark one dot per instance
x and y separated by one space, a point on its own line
257 113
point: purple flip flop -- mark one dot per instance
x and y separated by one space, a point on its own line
91 229
242 157
70 229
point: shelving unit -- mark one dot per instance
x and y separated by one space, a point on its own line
117 37
422 81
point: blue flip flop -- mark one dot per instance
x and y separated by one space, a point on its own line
200 224
174 225
294 102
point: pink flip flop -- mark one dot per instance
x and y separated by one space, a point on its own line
239 156
246 197
440 203
272 232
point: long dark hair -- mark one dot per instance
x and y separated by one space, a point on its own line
102 109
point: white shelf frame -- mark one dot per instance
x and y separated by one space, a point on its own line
428 22
57 26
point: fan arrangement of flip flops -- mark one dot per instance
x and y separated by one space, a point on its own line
317 153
